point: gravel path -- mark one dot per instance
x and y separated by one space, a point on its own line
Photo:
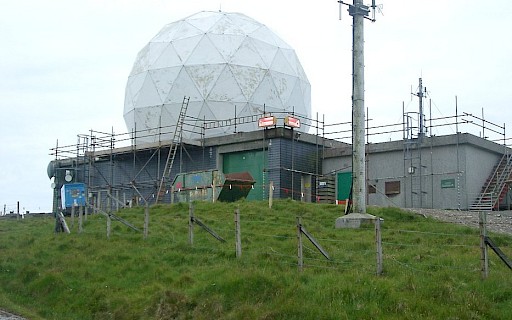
497 221
9 316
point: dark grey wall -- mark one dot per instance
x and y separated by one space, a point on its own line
287 161
145 167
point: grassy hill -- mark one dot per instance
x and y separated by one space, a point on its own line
431 269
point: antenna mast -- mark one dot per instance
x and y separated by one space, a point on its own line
422 92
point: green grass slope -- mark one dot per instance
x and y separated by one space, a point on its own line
431 269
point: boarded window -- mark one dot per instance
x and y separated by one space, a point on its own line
372 188
392 187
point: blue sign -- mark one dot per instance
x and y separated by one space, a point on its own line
73 194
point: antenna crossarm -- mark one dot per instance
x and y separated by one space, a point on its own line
359 10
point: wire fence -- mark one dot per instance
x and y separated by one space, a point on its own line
412 246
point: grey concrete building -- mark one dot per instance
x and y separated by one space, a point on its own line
445 172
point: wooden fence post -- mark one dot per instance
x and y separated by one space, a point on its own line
117 200
109 224
378 243
146 221
60 223
191 223
238 238
109 202
73 210
299 239
80 218
484 258
98 202
270 194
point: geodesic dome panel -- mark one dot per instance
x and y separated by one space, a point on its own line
228 64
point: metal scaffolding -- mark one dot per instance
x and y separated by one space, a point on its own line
95 157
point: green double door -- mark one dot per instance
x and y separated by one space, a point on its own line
250 161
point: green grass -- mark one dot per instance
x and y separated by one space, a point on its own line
431 269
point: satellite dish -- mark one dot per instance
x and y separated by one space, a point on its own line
53 185
51 170
68 177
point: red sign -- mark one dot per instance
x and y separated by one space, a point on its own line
292 122
267 122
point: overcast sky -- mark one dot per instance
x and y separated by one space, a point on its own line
64 66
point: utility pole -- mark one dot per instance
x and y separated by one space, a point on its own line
359 12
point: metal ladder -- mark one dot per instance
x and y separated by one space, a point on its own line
176 140
413 167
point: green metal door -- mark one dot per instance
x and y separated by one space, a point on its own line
344 181
251 161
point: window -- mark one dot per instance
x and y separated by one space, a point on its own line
392 187
372 188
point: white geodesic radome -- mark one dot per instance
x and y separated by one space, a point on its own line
227 63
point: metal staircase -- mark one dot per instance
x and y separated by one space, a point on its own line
175 141
496 187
